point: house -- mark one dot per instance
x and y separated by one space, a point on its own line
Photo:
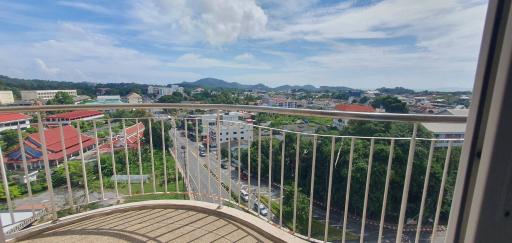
33 148
340 123
133 133
68 117
132 98
12 120
448 130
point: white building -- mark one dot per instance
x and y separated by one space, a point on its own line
44 94
6 97
133 98
230 123
160 91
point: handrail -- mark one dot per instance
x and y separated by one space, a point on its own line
224 107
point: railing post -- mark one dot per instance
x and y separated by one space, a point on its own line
259 169
312 188
126 160
6 187
297 151
25 168
270 179
239 163
281 190
66 167
441 190
176 173
164 160
249 143
46 165
199 164
98 159
151 153
329 188
139 154
347 193
219 158
230 133
424 194
407 182
367 189
386 188
186 157
112 157
82 159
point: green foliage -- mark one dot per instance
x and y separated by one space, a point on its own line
176 97
9 139
390 103
61 98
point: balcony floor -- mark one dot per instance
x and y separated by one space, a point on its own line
153 225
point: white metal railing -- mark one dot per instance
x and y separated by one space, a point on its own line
198 173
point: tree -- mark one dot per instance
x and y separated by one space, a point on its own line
61 98
9 139
176 97
390 104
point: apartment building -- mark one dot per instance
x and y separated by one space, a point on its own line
6 97
132 98
230 124
44 94
160 91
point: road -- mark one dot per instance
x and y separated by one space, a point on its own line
199 183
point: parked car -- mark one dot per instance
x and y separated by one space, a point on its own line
244 195
263 208
182 146
224 164
202 154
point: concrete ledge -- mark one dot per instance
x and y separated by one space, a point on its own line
260 226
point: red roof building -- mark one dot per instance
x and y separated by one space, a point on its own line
354 108
134 133
11 121
52 136
68 117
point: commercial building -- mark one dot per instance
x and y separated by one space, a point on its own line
44 94
12 120
33 148
68 117
6 97
160 91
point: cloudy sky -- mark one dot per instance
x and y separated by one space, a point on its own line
363 44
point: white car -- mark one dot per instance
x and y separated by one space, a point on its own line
244 195
263 208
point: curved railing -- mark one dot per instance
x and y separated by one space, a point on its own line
333 187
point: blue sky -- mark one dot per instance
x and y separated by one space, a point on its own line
430 44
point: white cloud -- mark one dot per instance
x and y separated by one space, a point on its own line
191 60
214 22
244 57
85 6
45 69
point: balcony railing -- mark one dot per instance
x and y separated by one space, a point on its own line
324 185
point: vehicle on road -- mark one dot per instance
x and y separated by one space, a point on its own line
224 163
182 146
202 154
263 208
244 195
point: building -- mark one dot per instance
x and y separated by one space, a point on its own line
340 123
6 97
228 122
107 100
132 98
160 91
81 99
56 155
448 130
44 94
279 102
68 117
12 120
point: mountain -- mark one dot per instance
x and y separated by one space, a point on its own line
213 83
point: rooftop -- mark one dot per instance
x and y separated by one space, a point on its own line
11 117
354 108
73 115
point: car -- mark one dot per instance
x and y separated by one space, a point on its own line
243 176
224 164
244 195
182 146
263 209
202 154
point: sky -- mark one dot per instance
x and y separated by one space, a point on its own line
428 44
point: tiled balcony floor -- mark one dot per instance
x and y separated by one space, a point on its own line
152 225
